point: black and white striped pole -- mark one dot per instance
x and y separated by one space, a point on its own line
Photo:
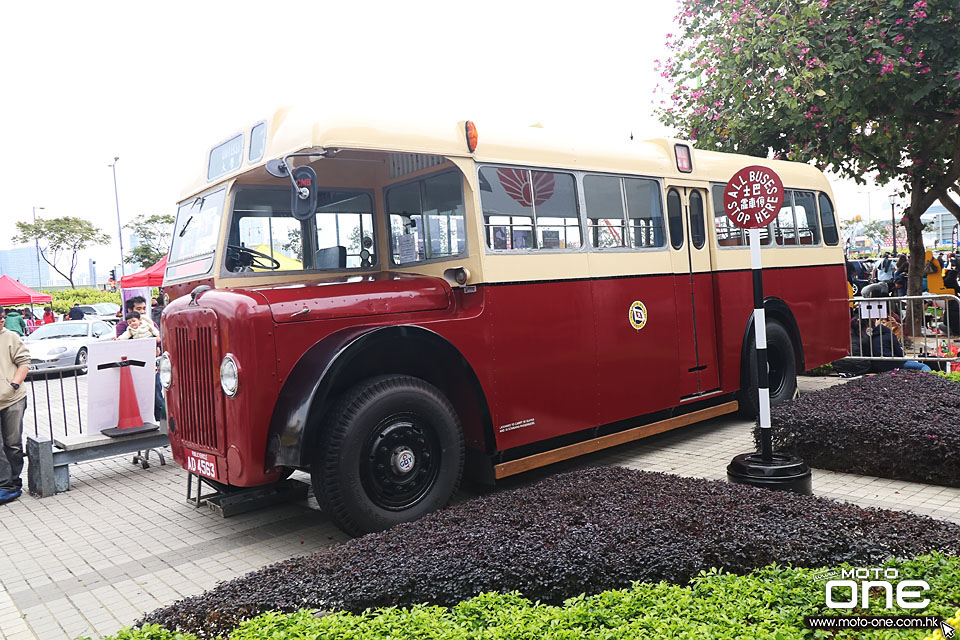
752 199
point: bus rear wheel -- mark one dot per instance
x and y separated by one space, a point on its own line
392 452
781 368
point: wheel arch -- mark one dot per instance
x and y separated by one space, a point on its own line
339 361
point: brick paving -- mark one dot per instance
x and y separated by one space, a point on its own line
124 541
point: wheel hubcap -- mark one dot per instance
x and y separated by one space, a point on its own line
402 462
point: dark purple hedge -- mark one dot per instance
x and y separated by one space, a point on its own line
578 532
901 425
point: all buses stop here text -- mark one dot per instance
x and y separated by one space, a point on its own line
753 196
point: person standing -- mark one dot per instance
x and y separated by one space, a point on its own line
75 313
48 316
14 365
14 322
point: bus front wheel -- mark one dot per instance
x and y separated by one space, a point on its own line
392 451
781 368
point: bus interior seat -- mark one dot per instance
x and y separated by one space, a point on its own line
332 258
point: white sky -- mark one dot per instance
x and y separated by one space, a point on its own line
158 86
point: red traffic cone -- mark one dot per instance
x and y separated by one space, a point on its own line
128 415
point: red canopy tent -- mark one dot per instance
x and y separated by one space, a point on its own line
149 277
13 292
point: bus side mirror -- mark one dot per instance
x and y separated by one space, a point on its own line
303 201
303 196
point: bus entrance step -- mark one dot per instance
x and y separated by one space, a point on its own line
233 502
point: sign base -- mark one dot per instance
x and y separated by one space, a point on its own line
784 472
116 432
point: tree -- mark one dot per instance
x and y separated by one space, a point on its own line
59 238
859 87
154 233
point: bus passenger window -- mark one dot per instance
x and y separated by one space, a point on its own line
698 235
524 209
728 234
827 221
805 210
675 218
427 219
644 213
784 225
604 202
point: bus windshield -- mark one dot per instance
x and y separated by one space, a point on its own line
264 235
195 234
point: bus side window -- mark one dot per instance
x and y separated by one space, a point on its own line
644 213
427 218
604 202
728 234
828 221
675 218
784 226
805 210
698 234
525 210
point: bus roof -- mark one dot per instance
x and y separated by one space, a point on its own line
292 130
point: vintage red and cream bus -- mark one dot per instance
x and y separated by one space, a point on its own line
390 307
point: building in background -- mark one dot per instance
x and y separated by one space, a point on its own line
21 264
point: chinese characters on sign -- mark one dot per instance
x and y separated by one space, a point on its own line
753 197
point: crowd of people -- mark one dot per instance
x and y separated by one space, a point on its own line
24 321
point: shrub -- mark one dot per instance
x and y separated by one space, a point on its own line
768 603
822 370
63 300
579 532
900 425
953 376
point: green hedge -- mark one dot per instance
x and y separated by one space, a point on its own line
953 376
768 603
63 300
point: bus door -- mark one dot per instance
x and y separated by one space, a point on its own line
693 283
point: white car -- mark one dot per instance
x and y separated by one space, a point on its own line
64 344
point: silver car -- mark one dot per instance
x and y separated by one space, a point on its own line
64 344
106 311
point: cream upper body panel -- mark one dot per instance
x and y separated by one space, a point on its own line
298 130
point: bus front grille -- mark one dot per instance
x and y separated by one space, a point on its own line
196 384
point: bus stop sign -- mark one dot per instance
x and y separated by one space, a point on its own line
753 197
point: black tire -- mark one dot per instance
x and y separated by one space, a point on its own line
392 451
782 367
82 357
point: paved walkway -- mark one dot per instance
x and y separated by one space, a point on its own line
124 540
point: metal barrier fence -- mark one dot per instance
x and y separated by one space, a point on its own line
923 328
58 398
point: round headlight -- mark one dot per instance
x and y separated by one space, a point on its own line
229 375
166 370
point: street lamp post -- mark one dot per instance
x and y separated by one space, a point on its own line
36 244
893 221
116 199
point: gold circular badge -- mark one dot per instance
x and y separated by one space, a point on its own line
638 315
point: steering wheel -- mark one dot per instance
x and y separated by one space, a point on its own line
247 259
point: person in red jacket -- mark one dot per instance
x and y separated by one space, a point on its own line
48 315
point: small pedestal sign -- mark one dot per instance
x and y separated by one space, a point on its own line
752 199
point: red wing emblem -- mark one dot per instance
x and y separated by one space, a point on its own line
517 185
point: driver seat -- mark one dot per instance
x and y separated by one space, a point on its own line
332 258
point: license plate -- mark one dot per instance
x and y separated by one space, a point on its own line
201 463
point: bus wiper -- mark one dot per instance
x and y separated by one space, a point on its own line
190 219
